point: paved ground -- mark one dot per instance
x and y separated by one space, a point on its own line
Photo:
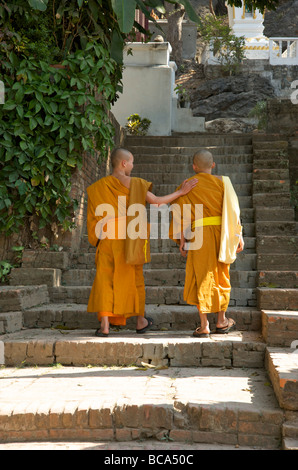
119 446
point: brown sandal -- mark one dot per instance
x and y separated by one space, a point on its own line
196 334
226 329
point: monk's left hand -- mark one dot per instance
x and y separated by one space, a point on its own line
188 185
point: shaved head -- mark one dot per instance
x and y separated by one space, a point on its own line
118 155
203 159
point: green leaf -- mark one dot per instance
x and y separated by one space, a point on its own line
125 11
117 44
38 4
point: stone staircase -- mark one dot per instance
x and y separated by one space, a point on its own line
263 303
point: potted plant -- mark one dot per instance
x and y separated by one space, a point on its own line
183 96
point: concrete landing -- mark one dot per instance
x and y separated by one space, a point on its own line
190 405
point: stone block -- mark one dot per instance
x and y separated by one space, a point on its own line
277 299
35 276
282 367
283 244
45 259
248 355
275 279
271 186
18 298
280 328
276 262
11 321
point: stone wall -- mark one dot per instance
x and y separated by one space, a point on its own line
282 116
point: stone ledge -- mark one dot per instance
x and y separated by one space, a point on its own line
166 317
16 298
177 349
282 366
280 328
277 298
36 276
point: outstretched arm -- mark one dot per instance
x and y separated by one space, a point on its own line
186 187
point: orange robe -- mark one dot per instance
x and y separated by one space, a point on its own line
207 281
118 289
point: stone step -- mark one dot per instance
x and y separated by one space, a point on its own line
159 227
18 298
290 432
10 322
156 277
245 297
272 199
178 178
127 404
280 327
169 260
46 259
186 160
273 279
186 167
271 187
163 189
197 139
190 150
271 145
268 163
244 261
123 348
277 298
271 174
282 367
268 154
166 317
168 246
276 262
274 214
289 443
35 276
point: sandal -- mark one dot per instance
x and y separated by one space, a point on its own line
226 329
143 330
100 334
200 335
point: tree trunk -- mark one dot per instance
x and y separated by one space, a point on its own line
175 15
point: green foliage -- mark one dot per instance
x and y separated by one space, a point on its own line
183 95
49 117
256 4
52 113
259 111
228 48
5 268
136 125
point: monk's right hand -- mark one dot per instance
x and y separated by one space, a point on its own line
182 249
188 185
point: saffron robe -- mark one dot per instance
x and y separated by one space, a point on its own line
207 280
118 289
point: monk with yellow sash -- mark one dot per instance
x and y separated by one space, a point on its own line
210 242
121 238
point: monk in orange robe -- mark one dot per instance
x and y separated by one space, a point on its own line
118 291
207 280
